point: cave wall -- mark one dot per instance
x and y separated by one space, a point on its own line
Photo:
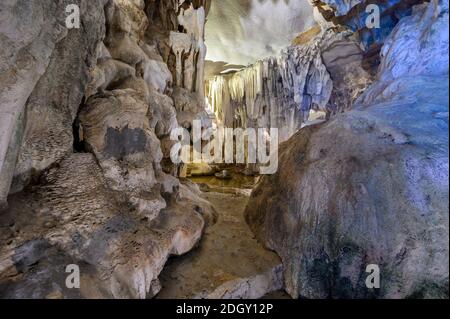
49 74
92 111
371 185
84 130
44 71
353 14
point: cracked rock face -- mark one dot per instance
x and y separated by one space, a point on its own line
371 185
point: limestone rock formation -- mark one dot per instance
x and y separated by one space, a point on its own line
344 60
189 106
355 14
281 92
117 124
104 89
72 217
117 130
371 185
338 7
43 72
86 179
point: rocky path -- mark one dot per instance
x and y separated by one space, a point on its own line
229 262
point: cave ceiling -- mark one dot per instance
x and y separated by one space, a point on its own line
242 31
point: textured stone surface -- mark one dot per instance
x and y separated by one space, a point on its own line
344 60
354 14
73 218
114 212
117 131
371 185
128 112
44 69
85 118
270 93
341 7
324 73
189 107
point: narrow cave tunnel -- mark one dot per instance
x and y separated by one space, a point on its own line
233 149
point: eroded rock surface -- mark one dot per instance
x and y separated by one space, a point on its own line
44 68
281 91
371 185
129 112
111 209
72 217
355 14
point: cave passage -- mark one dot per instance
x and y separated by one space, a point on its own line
224 149
229 261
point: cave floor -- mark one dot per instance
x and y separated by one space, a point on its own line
229 263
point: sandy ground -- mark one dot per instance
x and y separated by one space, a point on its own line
229 262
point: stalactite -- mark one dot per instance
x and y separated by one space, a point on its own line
274 92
